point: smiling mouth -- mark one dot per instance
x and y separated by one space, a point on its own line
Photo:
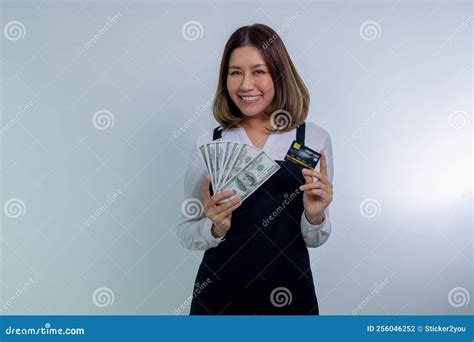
249 99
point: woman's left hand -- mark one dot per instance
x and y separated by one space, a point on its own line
317 195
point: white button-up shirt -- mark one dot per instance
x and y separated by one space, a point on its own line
195 232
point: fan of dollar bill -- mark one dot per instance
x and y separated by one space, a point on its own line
237 166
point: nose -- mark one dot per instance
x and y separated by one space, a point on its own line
247 83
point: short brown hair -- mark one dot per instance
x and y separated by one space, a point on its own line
291 94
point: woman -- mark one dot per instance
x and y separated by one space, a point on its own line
256 259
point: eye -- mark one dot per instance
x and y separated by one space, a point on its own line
232 73
260 71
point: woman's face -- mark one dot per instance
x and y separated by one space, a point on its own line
249 82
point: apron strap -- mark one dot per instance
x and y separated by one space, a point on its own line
300 131
217 133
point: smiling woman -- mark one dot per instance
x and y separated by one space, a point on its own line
256 259
259 78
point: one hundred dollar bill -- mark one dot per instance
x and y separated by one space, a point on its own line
246 154
252 176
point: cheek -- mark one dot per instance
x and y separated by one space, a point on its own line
232 85
267 86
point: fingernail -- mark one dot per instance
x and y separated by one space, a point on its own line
301 187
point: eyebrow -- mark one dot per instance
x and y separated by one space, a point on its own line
253 66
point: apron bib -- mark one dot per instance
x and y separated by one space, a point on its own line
263 266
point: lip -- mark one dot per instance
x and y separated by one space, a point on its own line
249 102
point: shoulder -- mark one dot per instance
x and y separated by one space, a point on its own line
227 134
204 138
316 134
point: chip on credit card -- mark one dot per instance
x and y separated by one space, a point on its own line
302 155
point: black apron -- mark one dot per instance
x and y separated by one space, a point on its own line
262 267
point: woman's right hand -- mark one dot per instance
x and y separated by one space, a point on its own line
219 214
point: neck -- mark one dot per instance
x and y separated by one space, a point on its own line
260 123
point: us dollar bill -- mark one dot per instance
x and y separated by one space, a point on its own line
211 159
233 149
219 147
246 154
252 176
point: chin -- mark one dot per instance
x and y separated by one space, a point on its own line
252 112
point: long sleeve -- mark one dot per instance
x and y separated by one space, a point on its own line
194 228
316 235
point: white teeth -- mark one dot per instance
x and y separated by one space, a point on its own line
250 98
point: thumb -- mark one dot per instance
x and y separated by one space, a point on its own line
308 179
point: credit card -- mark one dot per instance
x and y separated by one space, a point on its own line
302 155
